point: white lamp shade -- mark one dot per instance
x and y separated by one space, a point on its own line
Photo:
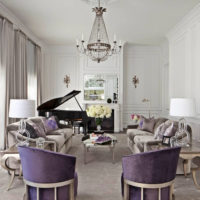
182 107
22 108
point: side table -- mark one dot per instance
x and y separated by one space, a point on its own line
12 153
187 154
8 154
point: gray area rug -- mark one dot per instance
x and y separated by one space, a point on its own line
99 179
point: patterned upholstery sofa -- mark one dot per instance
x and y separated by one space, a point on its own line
61 136
143 141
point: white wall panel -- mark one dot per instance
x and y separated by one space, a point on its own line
58 63
184 64
145 63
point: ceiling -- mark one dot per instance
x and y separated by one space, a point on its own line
61 22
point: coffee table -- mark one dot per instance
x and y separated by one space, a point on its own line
89 143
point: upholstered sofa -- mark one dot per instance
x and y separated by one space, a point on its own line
62 137
143 141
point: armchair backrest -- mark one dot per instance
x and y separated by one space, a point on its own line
41 166
155 167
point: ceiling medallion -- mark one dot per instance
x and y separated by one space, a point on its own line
98 47
104 2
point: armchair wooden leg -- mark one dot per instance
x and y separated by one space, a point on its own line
126 191
71 191
171 192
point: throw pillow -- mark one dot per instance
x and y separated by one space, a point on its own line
50 124
31 130
159 132
38 128
148 125
171 130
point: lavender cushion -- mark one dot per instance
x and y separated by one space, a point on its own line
140 123
50 124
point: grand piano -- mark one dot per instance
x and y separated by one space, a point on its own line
49 108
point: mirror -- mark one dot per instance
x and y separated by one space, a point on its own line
101 87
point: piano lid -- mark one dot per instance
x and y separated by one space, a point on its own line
54 103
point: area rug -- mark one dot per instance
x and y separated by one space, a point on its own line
99 179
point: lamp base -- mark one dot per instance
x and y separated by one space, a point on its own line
23 135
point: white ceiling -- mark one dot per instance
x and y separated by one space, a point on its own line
60 22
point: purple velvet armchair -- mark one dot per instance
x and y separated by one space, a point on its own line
150 175
48 175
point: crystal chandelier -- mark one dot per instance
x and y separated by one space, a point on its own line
98 47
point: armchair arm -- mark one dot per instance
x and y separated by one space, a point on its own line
148 145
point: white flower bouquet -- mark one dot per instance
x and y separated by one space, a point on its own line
99 112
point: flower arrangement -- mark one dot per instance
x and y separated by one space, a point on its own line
135 118
99 112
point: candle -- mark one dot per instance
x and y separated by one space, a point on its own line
77 42
82 37
120 43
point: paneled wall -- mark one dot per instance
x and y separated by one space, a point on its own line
184 68
145 63
60 61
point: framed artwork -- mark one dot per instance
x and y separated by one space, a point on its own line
166 140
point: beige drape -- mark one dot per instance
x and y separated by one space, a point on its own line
20 65
7 71
14 73
38 63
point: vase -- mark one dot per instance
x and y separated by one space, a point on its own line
99 127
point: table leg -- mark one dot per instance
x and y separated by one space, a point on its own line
185 167
11 179
85 154
113 154
194 177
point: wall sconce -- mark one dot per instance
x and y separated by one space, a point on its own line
67 80
135 81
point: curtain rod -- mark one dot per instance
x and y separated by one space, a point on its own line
28 38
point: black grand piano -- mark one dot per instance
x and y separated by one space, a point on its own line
49 108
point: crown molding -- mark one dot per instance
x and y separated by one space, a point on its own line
191 18
5 12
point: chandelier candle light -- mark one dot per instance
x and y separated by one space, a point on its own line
98 47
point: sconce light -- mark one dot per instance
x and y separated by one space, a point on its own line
67 80
135 81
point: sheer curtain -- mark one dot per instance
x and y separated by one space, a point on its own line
7 71
31 72
38 64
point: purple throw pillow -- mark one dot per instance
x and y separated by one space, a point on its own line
50 124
